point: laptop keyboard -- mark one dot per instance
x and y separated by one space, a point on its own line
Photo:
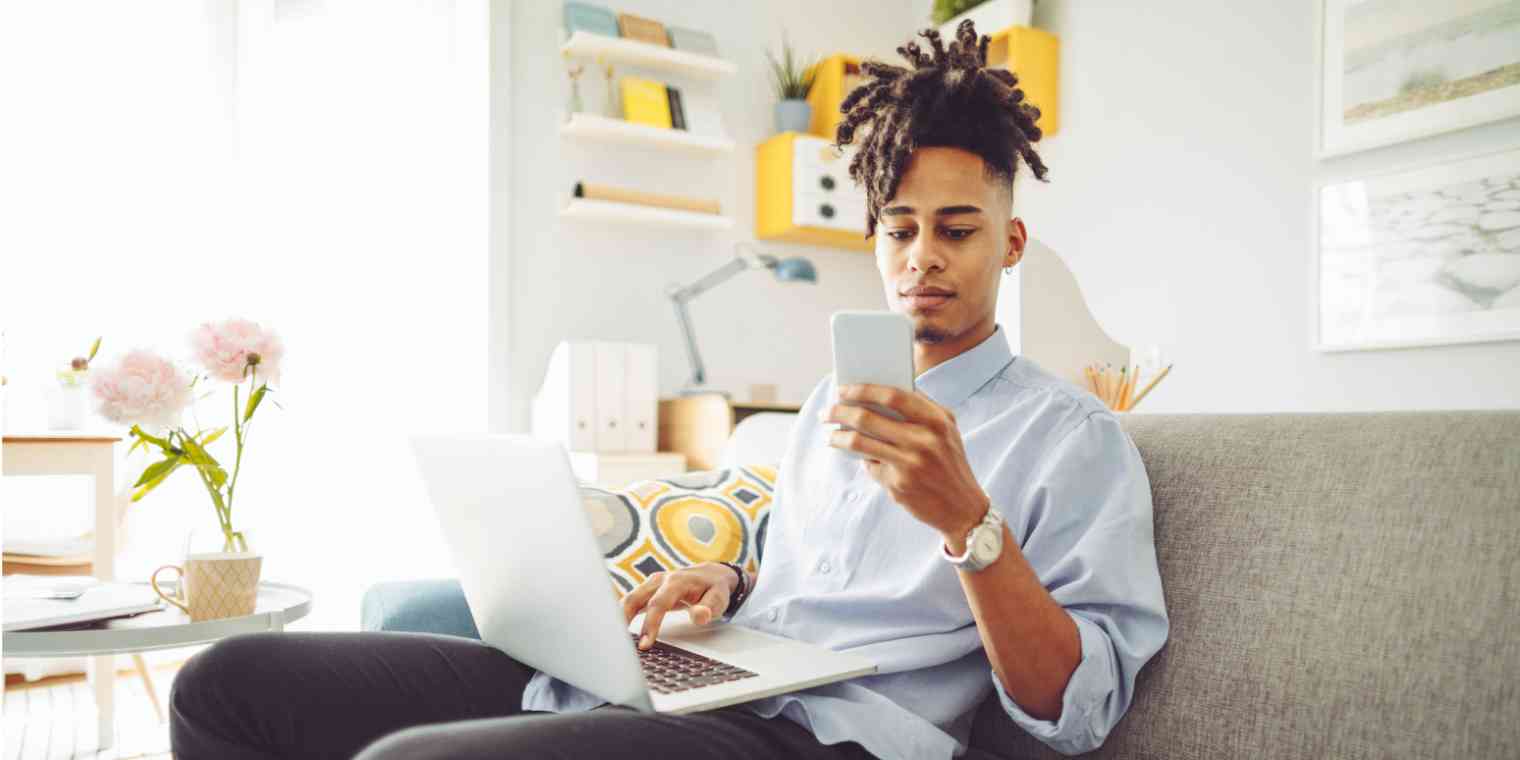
669 669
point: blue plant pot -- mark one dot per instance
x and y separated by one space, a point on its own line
793 116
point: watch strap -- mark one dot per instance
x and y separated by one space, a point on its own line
741 591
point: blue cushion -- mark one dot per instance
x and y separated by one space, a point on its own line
432 606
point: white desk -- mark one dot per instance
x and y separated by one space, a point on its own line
70 453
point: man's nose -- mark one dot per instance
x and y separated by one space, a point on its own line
924 255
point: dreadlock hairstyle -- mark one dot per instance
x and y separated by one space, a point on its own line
947 97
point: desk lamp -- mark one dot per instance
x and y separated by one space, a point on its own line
795 269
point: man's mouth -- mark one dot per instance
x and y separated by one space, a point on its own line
926 297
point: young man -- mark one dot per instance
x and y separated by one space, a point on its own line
1055 610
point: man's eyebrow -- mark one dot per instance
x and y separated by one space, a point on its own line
946 211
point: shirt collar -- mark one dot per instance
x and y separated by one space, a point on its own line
950 383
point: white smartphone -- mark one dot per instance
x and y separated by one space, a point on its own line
873 347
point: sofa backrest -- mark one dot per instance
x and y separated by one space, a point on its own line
1339 585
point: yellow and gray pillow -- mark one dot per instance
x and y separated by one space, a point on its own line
663 525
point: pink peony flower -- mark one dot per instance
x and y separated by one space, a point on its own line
226 349
143 388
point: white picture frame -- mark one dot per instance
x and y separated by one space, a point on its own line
1467 53
1421 256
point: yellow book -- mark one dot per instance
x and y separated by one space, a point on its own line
645 102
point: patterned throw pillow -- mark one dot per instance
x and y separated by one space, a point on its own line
662 525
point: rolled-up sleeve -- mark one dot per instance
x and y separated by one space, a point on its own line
1084 524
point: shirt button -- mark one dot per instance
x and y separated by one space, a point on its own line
823 567
853 497
771 616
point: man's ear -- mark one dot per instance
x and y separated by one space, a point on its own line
1017 238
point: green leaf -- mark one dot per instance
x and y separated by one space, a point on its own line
167 447
253 401
94 349
157 471
199 457
212 436
152 484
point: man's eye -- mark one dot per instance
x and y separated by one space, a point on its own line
959 234
899 234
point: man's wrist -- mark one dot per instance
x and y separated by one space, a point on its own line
739 591
955 538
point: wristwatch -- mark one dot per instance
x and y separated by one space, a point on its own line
741 591
984 544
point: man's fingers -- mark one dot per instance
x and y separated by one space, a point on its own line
664 600
872 422
851 440
711 605
635 600
913 406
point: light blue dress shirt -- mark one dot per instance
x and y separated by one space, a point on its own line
845 567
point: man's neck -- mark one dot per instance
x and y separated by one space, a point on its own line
926 356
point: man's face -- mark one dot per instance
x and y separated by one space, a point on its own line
941 243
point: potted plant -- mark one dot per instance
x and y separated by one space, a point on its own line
66 405
793 81
150 393
989 16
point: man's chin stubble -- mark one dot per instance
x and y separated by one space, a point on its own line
929 335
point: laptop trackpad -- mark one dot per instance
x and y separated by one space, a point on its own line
719 638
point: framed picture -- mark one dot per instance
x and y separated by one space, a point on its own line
1420 257
1394 70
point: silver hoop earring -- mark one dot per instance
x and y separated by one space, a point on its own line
1007 271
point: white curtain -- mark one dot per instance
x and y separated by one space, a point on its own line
318 166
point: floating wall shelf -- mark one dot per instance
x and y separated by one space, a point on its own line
584 44
582 208
585 126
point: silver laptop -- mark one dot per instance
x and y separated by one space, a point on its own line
535 581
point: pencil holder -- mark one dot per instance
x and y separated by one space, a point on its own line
1117 389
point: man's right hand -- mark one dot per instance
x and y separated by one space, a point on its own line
704 588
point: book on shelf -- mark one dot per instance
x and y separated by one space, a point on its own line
692 40
645 102
642 29
585 17
596 192
677 113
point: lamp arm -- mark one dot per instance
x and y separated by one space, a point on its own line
698 374
709 281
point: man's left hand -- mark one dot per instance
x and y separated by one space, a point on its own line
921 460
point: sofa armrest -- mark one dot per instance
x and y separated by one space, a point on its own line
432 606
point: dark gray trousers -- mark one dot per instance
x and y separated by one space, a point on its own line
418 696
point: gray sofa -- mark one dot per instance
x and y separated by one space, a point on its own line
1340 585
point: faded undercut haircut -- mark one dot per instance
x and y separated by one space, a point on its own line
946 97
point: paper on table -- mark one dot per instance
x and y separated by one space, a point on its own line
23 611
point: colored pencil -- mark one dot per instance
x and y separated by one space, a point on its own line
1150 385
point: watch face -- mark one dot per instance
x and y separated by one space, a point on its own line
986 546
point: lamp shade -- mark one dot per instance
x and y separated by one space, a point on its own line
796 269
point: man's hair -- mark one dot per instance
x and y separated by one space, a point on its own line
948 98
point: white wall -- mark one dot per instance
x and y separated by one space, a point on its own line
566 280
1180 195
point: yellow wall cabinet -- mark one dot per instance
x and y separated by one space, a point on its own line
804 194
1035 55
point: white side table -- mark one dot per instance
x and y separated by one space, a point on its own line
70 453
278 604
